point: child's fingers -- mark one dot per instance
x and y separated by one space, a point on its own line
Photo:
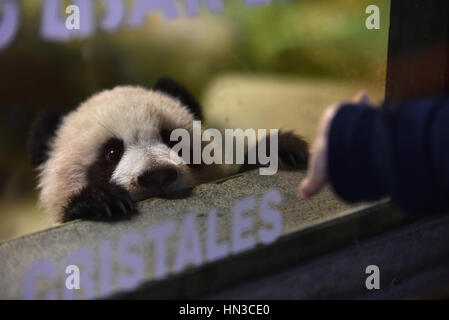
361 97
307 188
311 186
315 178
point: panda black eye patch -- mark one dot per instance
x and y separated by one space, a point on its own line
112 151
165 136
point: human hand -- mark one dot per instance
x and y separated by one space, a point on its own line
316 177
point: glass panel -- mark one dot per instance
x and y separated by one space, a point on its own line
252 64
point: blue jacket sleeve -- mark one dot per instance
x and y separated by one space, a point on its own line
399 150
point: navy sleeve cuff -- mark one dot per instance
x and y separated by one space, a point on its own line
351 165
400 150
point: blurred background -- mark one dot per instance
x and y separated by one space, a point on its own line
271 66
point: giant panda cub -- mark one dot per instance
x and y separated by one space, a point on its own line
113 150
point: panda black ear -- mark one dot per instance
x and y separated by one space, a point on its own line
41 132
176 90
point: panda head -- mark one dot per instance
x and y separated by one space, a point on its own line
119 136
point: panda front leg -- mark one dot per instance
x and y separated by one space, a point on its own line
106 203
293 152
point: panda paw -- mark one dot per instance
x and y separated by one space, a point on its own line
110 203
293 151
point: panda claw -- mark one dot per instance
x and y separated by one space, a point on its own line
293 151
122 207
108 211
109 203
292 159
129 204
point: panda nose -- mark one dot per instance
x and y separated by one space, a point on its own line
157 178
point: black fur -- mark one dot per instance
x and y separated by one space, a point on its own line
41 132
293 153
102 200
100 172
176 90
108 203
